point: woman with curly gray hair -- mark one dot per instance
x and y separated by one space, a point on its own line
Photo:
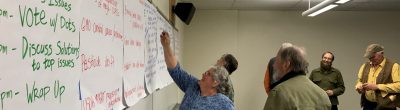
221 75
204 94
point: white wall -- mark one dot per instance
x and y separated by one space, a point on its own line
167 97
255 36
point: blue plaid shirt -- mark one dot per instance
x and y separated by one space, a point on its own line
193 99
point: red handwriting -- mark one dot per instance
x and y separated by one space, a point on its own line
136 19
117 35
109 6
108 32
86 25
132 65
114 33
89 25
100 97
88 103
114 101
98 28
129 92
133 43
113 98
138 90
137 25
134 15
112 2
109 61
89 62
113 94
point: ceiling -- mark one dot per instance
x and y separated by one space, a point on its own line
293 5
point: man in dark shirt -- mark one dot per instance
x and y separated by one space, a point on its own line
329 79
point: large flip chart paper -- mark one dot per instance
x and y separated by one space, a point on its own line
101 36
80 54
39 55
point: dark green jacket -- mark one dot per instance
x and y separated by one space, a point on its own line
329 80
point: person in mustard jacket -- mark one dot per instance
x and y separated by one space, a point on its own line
378 81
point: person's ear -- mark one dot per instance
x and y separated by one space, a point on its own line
215 83
286 65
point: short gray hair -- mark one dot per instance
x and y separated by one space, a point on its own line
220 74
296 56
286 45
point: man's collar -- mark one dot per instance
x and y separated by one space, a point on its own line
287 76
321 69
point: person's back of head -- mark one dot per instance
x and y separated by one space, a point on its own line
296 56
231 63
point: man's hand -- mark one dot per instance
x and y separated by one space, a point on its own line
359 88
165 40
329 92
368 86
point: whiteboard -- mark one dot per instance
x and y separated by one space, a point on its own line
80 54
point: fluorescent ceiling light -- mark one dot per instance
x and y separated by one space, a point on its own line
322 10
322 7
318 7
342 1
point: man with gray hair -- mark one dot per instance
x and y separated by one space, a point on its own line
294 91
270 73
204 94
378 81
